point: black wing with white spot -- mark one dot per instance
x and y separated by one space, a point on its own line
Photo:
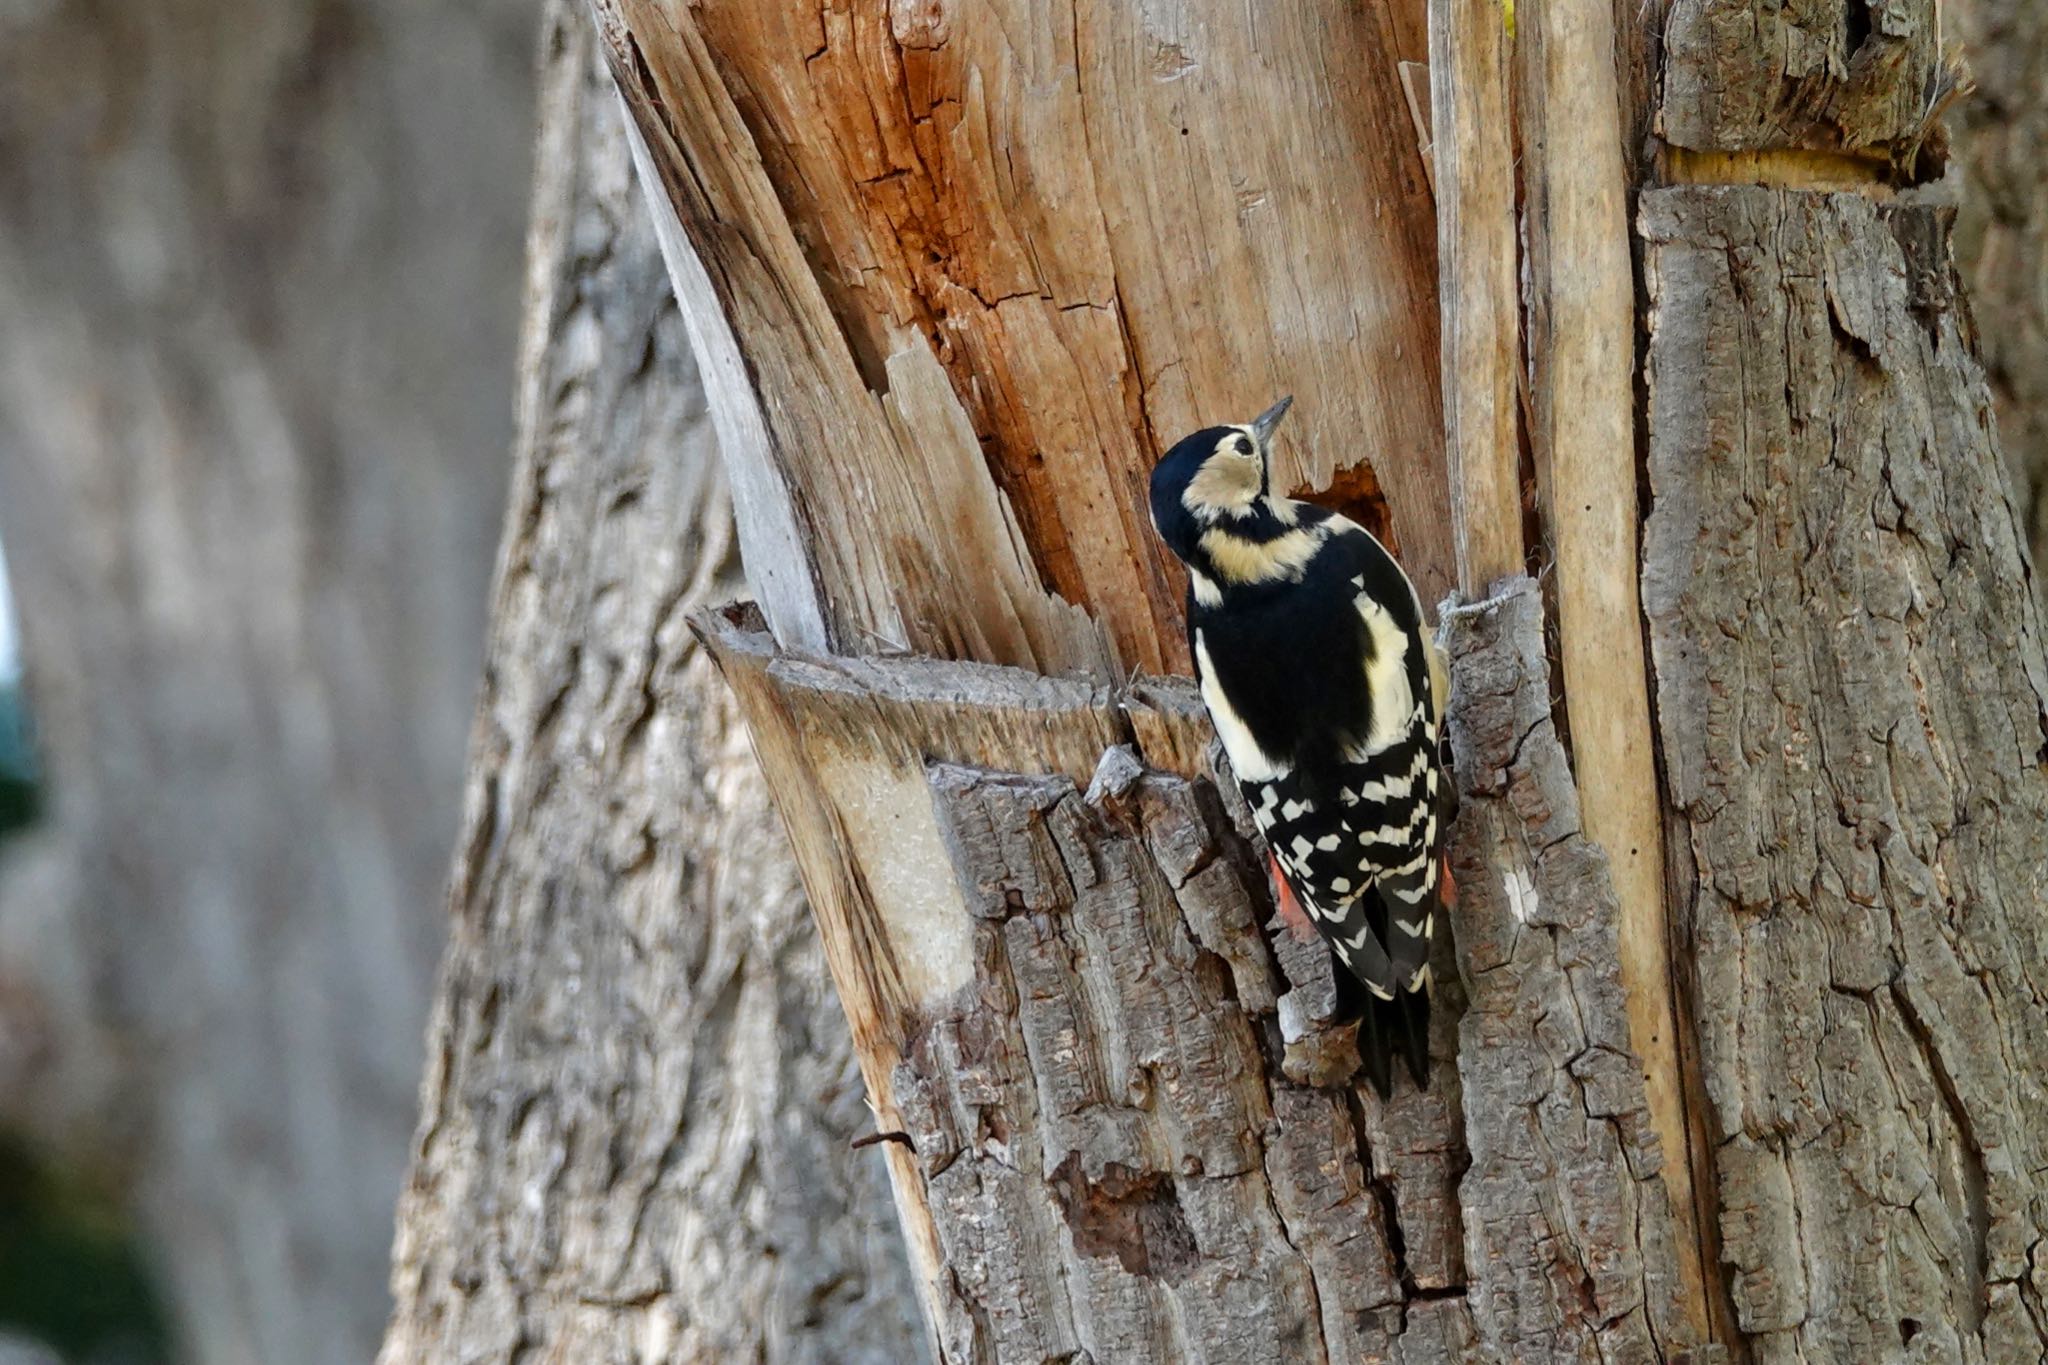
1327 694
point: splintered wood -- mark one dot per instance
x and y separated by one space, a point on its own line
966 270
1811 75
1125 1126
1473 152
1581 352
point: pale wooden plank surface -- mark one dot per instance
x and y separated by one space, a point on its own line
1473 154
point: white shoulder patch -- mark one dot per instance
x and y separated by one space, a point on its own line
1386 676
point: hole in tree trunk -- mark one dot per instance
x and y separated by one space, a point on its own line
1357 494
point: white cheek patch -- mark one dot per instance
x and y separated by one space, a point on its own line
1226 485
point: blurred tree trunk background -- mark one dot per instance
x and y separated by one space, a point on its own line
2002 233
259 267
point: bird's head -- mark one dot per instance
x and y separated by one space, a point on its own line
1218 476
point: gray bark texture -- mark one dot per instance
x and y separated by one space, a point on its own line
1854 714
640 1100
2002 234
254 325
1125 1129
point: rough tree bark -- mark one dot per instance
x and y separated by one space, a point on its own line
637 1119
1855 719
955 272
947 324
254 320
1852 701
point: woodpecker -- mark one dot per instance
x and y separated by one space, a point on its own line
1327 693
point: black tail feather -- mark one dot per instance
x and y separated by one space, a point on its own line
1375 1048
1385 1028
1414 1033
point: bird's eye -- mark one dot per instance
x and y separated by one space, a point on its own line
1244 445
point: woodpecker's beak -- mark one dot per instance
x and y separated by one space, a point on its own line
1266 422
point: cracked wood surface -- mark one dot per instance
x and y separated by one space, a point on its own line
1575 1249
1582 436
969 268
1863 78
1127 1126
1854 710
636 1120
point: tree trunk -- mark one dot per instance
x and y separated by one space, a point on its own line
956 273
253 319
639 1110
1855 722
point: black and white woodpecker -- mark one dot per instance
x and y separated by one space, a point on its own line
1326 691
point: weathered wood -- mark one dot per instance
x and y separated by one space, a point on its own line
1854 710
636 1126
1121 1131
1064 1001
1472 146
1805 75
981 263
1582 431
1072 1182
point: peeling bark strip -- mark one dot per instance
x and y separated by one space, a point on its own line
1857 76
965 269
1855 721
1126 1133
1582 435
1568 1228
636 1121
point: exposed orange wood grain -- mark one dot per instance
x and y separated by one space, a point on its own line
1102 227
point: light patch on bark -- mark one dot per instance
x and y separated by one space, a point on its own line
1521 891
887 822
